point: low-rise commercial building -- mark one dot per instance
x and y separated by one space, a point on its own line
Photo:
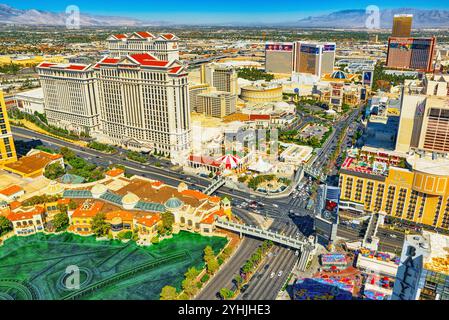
31 101
260 93
33 164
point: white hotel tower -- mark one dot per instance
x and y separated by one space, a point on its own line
163 46
138 101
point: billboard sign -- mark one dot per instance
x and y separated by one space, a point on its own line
310 49
279 47
368 77
329 47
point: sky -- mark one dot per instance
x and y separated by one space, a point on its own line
207 11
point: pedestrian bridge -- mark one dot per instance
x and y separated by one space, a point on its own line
295 243
216 184
316 173
305 247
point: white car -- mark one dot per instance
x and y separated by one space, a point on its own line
272 275
275 205
280 273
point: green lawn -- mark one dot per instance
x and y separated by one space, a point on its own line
34 267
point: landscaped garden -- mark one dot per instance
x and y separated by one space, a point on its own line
35 267
265 183
75 166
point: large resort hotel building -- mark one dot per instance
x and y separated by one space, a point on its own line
163 47
69 95
136 101
410 181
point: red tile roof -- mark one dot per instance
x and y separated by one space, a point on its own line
157 184
73 67
65 201
110 60
121 36
11 190
149 221
253 117
195 194
19 216
124 215
211 218
204 160
15 204
175 69
168 36
88 210
145 34
114 172
146 59
46 65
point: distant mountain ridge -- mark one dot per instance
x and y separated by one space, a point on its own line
32 17
357 19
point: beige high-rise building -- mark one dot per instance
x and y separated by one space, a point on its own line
7 148
137 101
144 103
163 46
216 104
194 91
69 95
402 25
221 77
314 58
424 115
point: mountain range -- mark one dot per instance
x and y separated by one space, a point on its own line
354 19
357 18
32 17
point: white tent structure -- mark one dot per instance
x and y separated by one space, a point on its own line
261 166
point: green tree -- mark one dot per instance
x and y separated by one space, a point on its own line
226 294
169 293
61 222
189 286
72 205
212 265
192 273
208 253
247 267
5 225
67 153
155 240
99 225
54 171
238 280
168 219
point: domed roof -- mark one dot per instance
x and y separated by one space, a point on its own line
173 203
182 187
99 189
130 199
54 188
339 75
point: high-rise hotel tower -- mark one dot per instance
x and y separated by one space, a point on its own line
135 100
7 149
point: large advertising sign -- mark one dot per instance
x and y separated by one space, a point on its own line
310 49
368 78
329 47
279 47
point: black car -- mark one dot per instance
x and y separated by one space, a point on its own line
244 288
